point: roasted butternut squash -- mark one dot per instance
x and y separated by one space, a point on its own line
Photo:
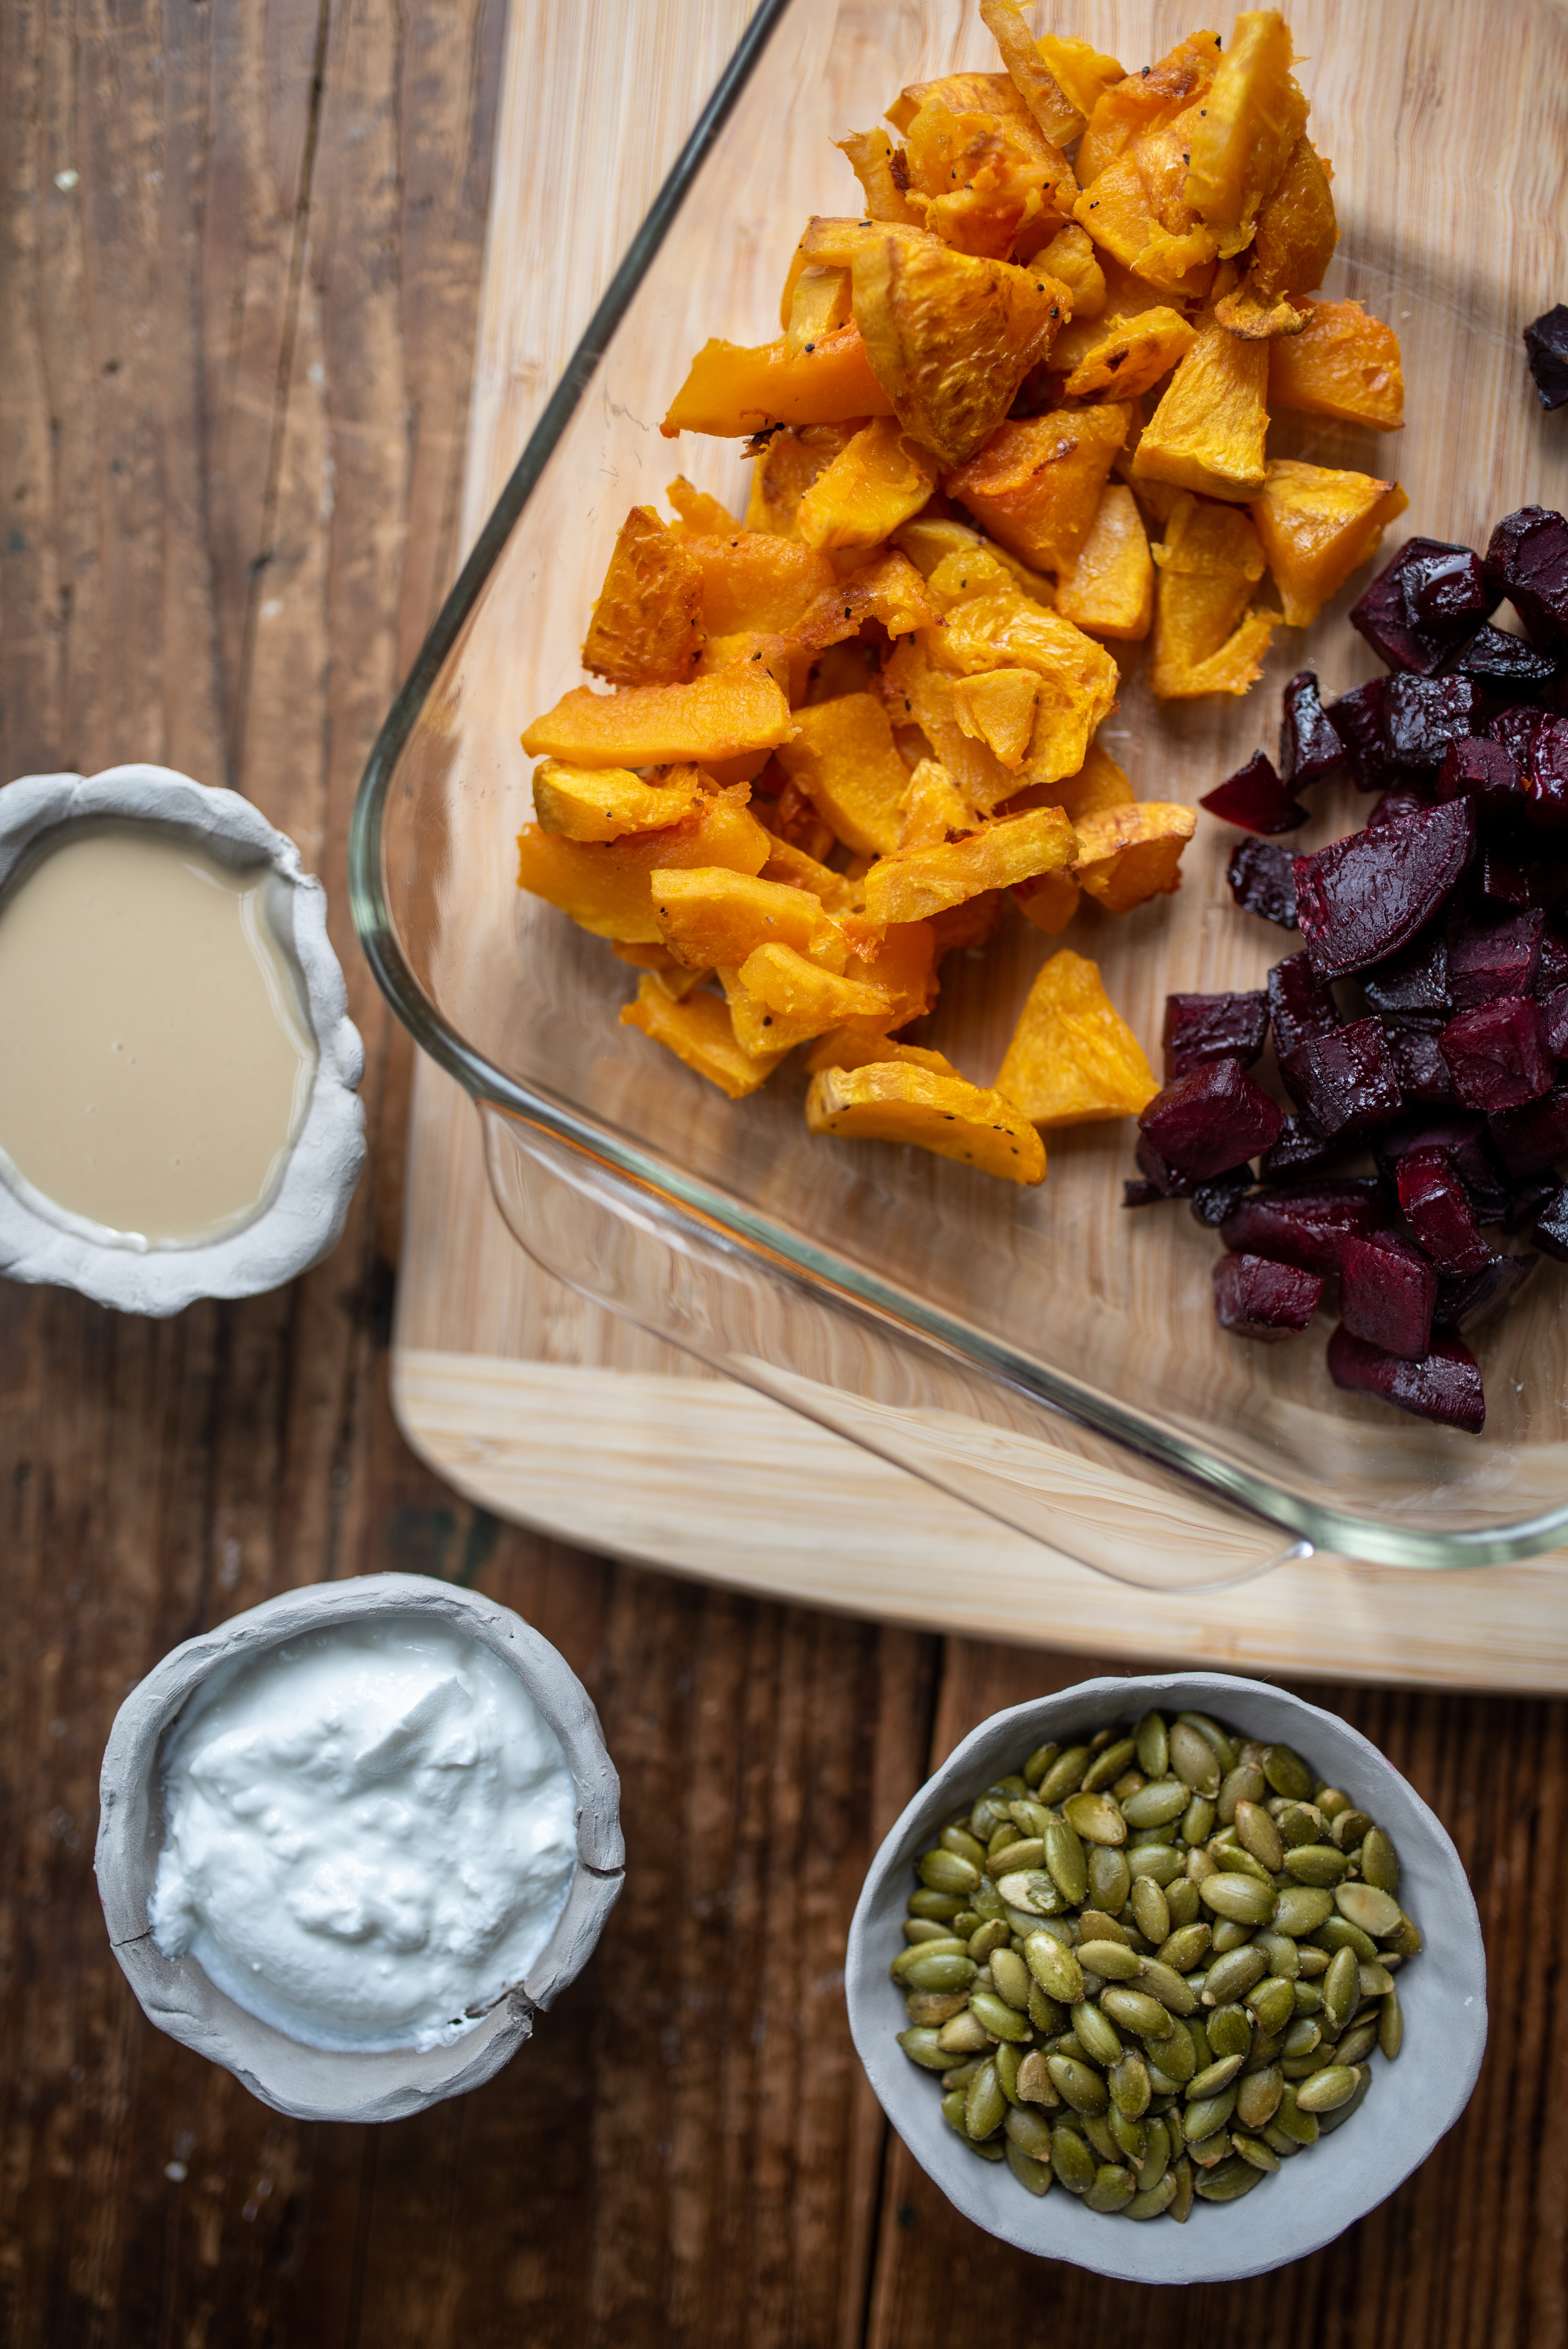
1251 115
605 886
844 760
1125 855
1035 485
698 1030
1072 1058
1208 563
898 1101
645 627
1109 589
1317 526
606 802
731 391
917 882
1345 364
1207 433
874 485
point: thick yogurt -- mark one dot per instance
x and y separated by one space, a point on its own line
369 1834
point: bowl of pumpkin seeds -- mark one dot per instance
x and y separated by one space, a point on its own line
1150 1948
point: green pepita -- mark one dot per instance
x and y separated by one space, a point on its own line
1079 2085
1153 2201
1160 1861
1112 2190
1230 2033
1071 2160
1064 1776
1112 1961
1272 2002
1254 2149
1054 1967
1096 1818
1302 1908
1233 1974
1258 2097
1375 1911
1108 1764
1097 2034
1153 1745
1137 2012
1327 2089
1238 1897
949 1871
985 2104
1002 2021
1379 1861
1391 2026
1286 1773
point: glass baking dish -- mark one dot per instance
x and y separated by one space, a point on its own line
1042 1354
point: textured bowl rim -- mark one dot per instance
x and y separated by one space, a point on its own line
311 2082
1443 1991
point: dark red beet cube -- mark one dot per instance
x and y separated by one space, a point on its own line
1261 879
1213 1202
1438 1209
1446 1387
1159 1172
1422 1071
1552 1229
1546 776
1300 1150
1505 665
1546 347
1255 1299
1447 592
1465 1301
1209 1121
1466 1140
1304 1223
1504 880
1362 899
1527 561
1388 1292
1300 1003
1200 1028
1357 720
1411 799
1482 771
1497 1054
1422 715
1533 1138
1256 798
1414 983
1383 617
1495 957
1345 1081
1309 743
1142 1194
1516 729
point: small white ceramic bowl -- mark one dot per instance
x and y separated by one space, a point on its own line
310 2082
304 1218
1325 2189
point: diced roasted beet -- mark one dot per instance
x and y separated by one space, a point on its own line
1142 1194
1496 957
1364 897
1304 1223
1554 1015
1552 1228
1445 1387
1546 347
1527 561
1466 1140
1300 1150
1551 964
1437 1207
1546 776
1383 618
1357 720
1261 881
1528 1202
1422 715
1200 1028
1409 799
1507 666
1465 1301
1504 880
1516 729
1345 1081
1447 592
1209 1121
1414 983
1497 1053
1212 1202
1159 1172
1300 1003
1256 798
1482 771
1387 1291
1309 743
1255 1297
1533 1138
1422 1071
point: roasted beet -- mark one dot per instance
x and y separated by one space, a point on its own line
1159 1174
1445 1387
1546 776
1209 1121
1546 347
1261 881
1468 1142
1364 897
1300 1003
1200 1028
1409 799
1256 798
1387 1291
1142 1194
1305 1222
1421 716
1504 880
1421 1068
1494 958
1552 1229
1213 1202
1516 729
1506 666
1438 1209
1554 1019
1446 593
1414 983
1255 1297
1529 1203
1466 1300
1357 720
1300 1150
1345 1081
1497 1053
1533 1138
1527 561
1482 771
1382 616
1551 964
1309 743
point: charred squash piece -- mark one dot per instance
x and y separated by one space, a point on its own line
605 887
698 1030
1207 433
1317 526
1131 355
1345 363
645 626
1120 216
731 391
897 1100
933 806
1297 231
870 156
978 176
1073 1059
1071 255
887 587
712 719
1035 485
1109 589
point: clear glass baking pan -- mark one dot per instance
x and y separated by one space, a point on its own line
1044 1355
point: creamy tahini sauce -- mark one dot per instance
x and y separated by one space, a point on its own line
155 1061
369 1834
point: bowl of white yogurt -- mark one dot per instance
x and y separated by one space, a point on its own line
353 1841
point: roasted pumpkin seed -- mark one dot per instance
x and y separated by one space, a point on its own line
1071 2160
1097 2034
1254 2149
1230 2034
1109 1763
1096 1818
1137 2012
1112 2190
1391 2026
1286 1773
1153 2201
1238 1897
1375 1911
1302 1908
1233 1974
1379 1861
1064 1776
1157 1804
1079 2085
1258 2097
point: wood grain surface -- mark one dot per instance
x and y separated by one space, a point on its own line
231 428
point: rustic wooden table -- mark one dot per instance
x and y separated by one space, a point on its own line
243 250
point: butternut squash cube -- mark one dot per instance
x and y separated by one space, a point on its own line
697 511
1071 255
897 1100
1251 115
783 470
978 166
710 917
902 962
950 336
757 1027
1081 72
1077 680
1207 433
856 1047
1109 588
818 306
928 541
916 884
1296 230
1317 526
1073 1059
1037 482
698 1032
996 707
798 990
844 760
788 863
1131 355
933 807
754 582
644 629
1345 365
870 155
886 588
1058 115
1050 901
1209 564
1126 855
880 481
1098 783
915 692
604 802
711 719
731 391
605 885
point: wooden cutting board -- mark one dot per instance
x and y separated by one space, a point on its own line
545 1408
